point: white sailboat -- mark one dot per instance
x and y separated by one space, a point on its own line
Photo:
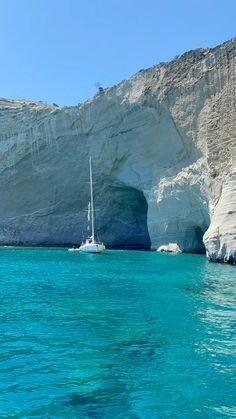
91 245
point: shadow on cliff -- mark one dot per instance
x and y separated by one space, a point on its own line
121 216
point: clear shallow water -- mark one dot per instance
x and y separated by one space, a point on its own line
124 334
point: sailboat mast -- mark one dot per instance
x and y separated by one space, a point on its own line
91 194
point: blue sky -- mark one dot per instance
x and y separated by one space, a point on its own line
56 50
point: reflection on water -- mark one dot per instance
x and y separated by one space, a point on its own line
121 335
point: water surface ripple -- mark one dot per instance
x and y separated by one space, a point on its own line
123 334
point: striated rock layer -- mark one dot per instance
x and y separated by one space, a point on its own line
163 151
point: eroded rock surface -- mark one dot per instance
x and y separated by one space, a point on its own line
163 151
169 248
220 238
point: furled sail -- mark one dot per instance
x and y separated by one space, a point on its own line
89 211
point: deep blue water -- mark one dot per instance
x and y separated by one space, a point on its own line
123 334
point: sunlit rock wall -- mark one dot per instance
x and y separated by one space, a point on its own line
162 145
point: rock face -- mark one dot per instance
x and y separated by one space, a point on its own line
163 150
220 238
170 248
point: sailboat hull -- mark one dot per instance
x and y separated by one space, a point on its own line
92 248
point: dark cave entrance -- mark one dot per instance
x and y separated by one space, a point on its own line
198 233
193 238
121 216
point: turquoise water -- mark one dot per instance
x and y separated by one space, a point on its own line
123 334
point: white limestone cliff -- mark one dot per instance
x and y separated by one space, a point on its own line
220 238
163 151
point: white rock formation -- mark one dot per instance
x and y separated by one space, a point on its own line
220 238
170 247
163 150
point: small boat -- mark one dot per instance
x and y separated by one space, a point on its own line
73 249
91 245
